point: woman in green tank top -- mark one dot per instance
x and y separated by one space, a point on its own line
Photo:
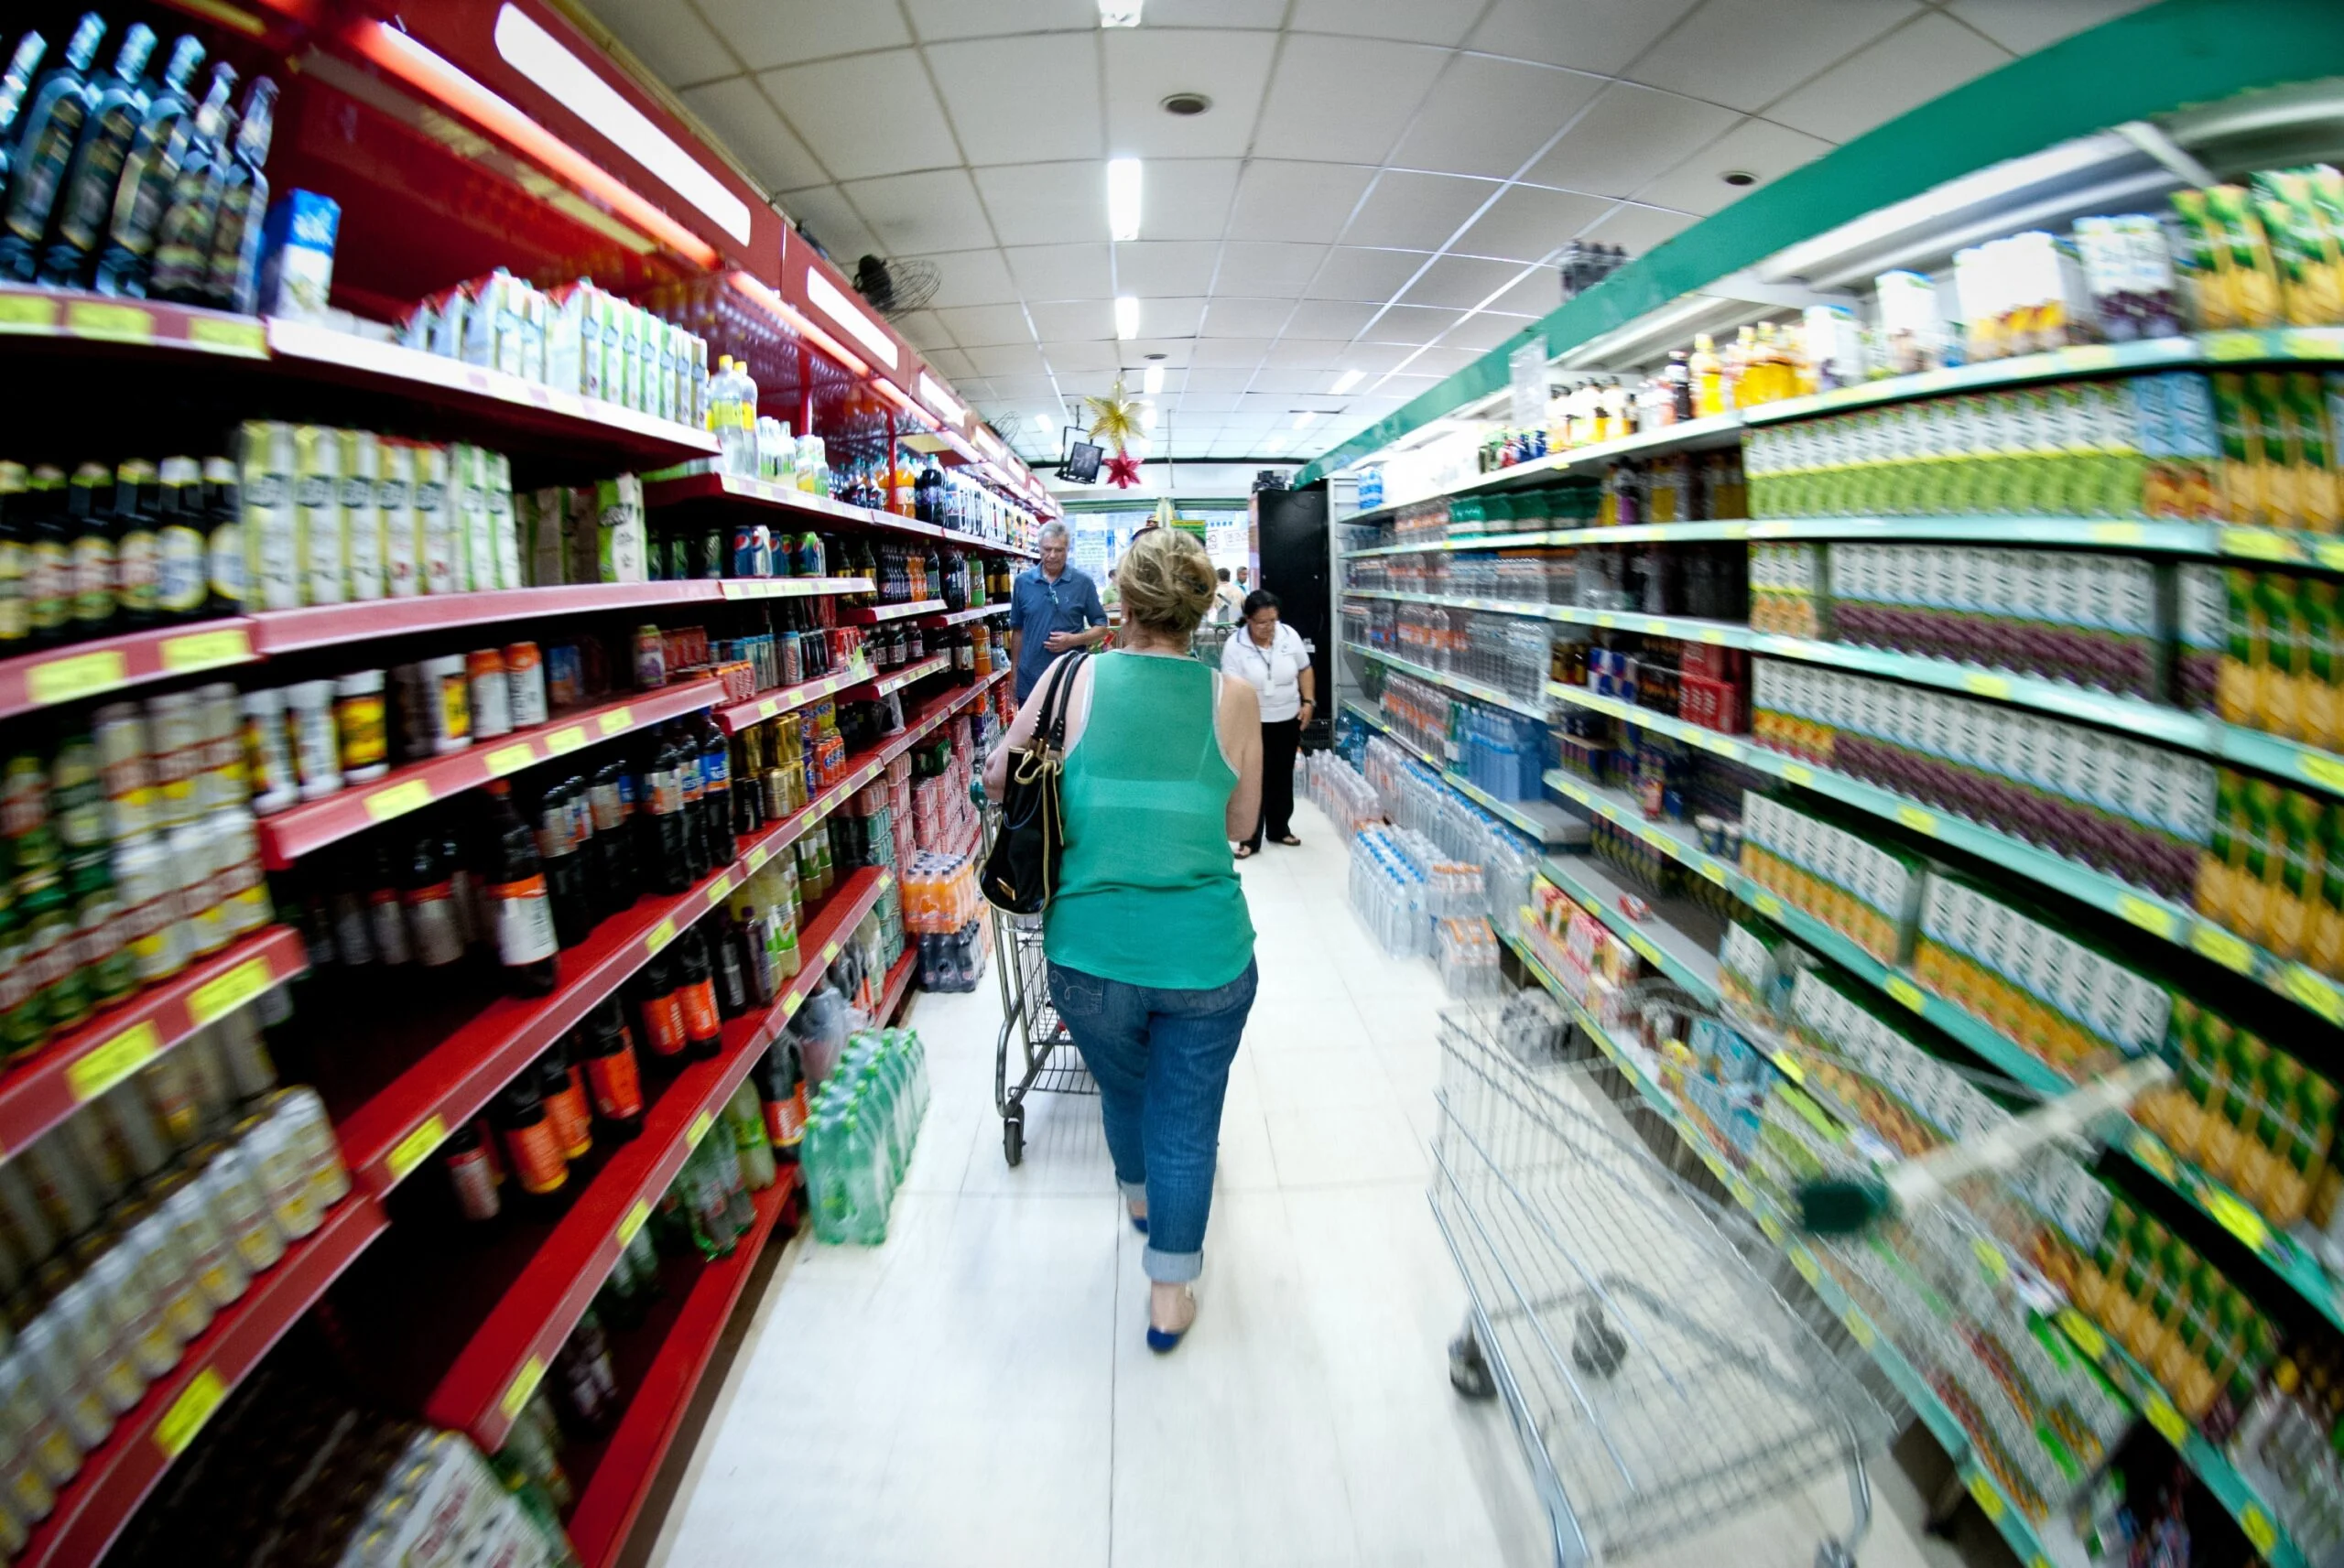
1150 947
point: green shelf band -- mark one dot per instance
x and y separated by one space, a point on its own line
1535 708
1544 829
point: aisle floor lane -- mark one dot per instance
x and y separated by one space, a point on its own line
976 1393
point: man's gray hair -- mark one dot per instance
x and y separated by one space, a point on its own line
1054 534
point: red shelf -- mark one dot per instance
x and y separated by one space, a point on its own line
109 664
619 1482
958 616
871 615
93 1507
293 833
794 586
90 321
934 664
503 1360
899 984
292 630
701 487
741 715
84 1064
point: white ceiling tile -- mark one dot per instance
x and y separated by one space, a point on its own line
1342 100
829 105
1162 315
1228 353
1006 359
924 331
935 210
1267 268
936 19
1322 354
1194 401
1747 53
1639 228
1186 198
2025 26
973 326
1073 321
1163 267
1062 272
1023 100
1174 350
670 40
1488 116
1337 318
835 226
976 388
1754 146
1441 360
1146 65
1306 201
1375 357
752 132
1411 324
971 277
1292 384
1025 388
1485 332
1351 273
1462 281
1527 223
782 32
1600 36
1442 22
1535 294
1629 135
1931 55
1222 381
1091 362
1416 211
953 363
1239 318
1045 203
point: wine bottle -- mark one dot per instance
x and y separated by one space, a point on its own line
52 129
108 133
165 136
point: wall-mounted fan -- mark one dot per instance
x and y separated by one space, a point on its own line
896 285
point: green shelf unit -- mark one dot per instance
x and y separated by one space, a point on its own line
2166 921
2034 531
1534 706
1541 821
2013 1524
1718 430
1655 941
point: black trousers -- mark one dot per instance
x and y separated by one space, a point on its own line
1279 741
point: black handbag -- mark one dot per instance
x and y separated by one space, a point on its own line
1022 868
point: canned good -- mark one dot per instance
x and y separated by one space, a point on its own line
204 923
52 1357
129 781
490 694
360 725
268 754
171 1275
141 1338
565 676
234 1192
650 658
447 707
317 749
243 892
175 736
85 1312
218 1270
221 779
525 677
147 886
302 1115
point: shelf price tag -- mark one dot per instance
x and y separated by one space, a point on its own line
698 1129
398 800
1804 1261
719 888
565 740
2154 918
2236 1218
2226 346
630 1227
2321 768
99 1070
1905 991
109 323
27 312
2155 1158
524 1383
618 719
2086 1336
2256 545
661 935
2256 1526
1797 774
76 675
1983 685
243 338
1714 871
206 650
1990 1501
1767 904
2166 1420
2314 991
197 1401
1918 820
510 759
2118 533
416 1147
2222 947
1858 1328
219 997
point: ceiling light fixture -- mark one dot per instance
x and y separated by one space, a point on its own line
1305 418
1184 104
1348 380
1152 381
1122 197
1044 424
1127 315
1119 12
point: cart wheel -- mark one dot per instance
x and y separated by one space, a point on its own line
1833 1554
1468 1373
1013 1140
1596 1349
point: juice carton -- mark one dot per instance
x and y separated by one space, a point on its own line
362 516
265 485
2220 867
2200 267
2278 448
2295 890
2238 482
2291 205
2281 658
504 536
2193 426
319 546
394 503
2315 613
436 541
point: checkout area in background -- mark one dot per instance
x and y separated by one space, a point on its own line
1098 540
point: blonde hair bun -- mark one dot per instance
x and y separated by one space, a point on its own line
1165 581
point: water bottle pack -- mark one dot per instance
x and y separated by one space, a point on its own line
861 1127
1388 893
1466 953
1501 753
954 960
1337 789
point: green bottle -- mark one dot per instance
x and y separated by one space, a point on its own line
49 560
50 948
89 522
103 960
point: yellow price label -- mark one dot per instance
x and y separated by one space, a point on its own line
2236 1218
829 952
2154 918
2330 553
223 994
698 1128
204 1394
2118 533
2081 1329
1804 1261
1990 1501
568 739
2222 947
524 1383
2256 545
1918 820
2321 768
1990 1259
1607 621
758 856
399 799
98 1070
2230 346
27 312
109 323
1905 991
1980 684
76 675
1710 634
791 1003
767 708
2256 1526
1714 871
1771 1227
1858 1328
1651 953
719 888
416 1147
228 337
618 719
2312 343
2166 1420
1767 904
2154 1157
1797 774
510 759
206 650
2088 356
2314 991
1717 1166
632 1224
1788 1064
661 935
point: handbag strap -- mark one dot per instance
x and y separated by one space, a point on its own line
1050 730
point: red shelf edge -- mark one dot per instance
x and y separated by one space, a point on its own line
507 1356
766 492
872 615
899 984
959 617
740 716
323 625
93 1507
81 670
895 680
290 834
69 1072
612 1499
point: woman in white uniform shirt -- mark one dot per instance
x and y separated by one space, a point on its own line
1268 655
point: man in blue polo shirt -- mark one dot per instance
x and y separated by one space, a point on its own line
1052 607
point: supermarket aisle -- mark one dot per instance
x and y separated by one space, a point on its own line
977 1391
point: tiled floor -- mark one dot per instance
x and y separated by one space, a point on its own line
977 1391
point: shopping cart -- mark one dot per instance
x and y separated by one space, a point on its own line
1659 1381
1046 1054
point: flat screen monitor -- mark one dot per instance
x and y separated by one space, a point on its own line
1081 463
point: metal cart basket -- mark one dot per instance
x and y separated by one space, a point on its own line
1659 1382
1046 1057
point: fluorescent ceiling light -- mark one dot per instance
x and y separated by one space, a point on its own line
1043 424
1127 315
824 295
1305 418
940 400
1119 12
539 56
1123 177
1348 380
1151 380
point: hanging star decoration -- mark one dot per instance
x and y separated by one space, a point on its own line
1123 470
1114 418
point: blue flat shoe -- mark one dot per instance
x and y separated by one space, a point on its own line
1164 1341
1139 1222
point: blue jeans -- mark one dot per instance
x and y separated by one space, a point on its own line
1162 1061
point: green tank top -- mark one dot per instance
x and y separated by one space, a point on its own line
1147 893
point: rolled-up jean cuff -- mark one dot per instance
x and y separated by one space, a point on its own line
1134 1192
1172 1268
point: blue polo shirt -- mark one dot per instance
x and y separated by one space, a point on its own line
1038 607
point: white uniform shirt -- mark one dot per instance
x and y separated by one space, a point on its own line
1274 672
